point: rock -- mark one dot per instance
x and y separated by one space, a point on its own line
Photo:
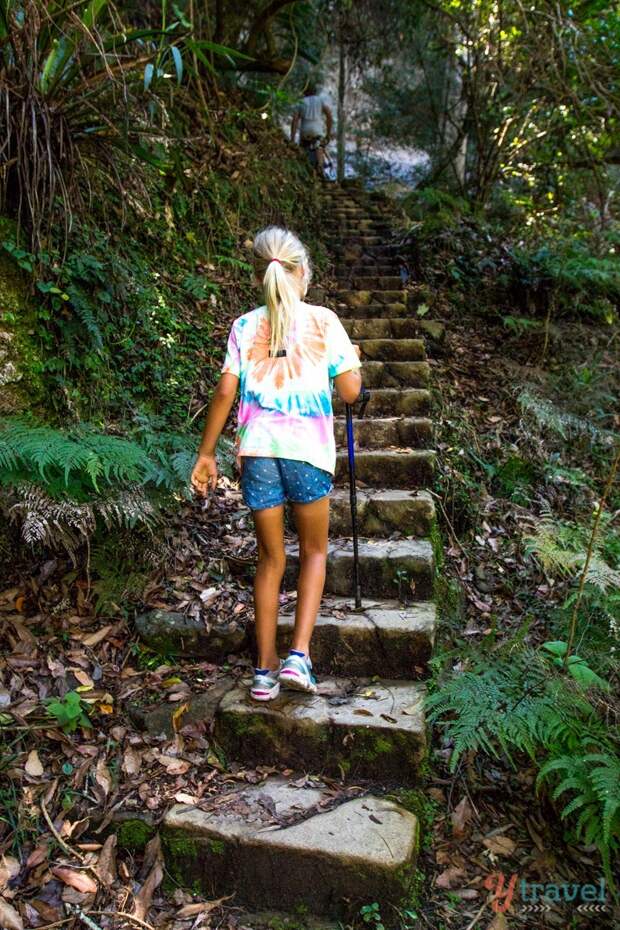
20 361
382 432
380 513
412 468
389 402
172 633
157 721
400 568
353 642
362 850
375 730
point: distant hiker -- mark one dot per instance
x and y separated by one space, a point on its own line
313 117
284 356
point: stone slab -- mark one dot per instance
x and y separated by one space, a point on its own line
334 860
388 568
362 729
389 402
380 468
384 635
170 632
383 512
383 432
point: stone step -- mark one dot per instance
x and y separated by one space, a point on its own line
357 298
395 374
368 310
376 283
381 513
359 729
390 402
392 350
356 643
359 239
383 432
383 328
361 267
402 568
281 846
383 468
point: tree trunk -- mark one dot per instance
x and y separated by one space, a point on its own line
342 77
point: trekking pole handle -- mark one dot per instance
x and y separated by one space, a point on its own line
364 397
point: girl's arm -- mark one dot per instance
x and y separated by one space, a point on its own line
204 474
349 383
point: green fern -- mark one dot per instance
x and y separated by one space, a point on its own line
567 425
509 705
593 779
561 549
517 702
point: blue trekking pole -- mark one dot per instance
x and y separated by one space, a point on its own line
363 399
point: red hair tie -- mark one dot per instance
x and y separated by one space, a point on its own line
275 260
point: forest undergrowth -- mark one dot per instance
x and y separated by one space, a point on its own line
526 739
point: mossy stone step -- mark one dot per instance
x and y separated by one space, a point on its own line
353 237
360 729
389 568
364 266
392 350
396 374
390 402
335 860
381 432
382 636
383 512
354 297
377 282
369 309
382 468
383 328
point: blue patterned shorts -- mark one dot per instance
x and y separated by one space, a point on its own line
269 482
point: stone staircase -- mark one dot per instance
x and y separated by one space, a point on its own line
295 841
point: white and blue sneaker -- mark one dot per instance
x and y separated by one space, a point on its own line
296 673
265 684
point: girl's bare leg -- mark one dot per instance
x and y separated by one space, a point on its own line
312 527
269 571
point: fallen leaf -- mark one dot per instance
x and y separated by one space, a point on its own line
450 877
144 897
33 764
9 867
37 856
9 918
103 777
106 863
182 798
174 766
78 880
460 816
500 845
132 761
84 679
200 907
177 715
93 638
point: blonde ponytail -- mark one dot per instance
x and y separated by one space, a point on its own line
278 256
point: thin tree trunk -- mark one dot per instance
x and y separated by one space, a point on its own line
342 76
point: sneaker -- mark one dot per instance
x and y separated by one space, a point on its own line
296 673
265 684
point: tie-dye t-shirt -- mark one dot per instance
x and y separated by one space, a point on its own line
285 405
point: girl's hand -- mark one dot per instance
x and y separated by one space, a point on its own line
204 475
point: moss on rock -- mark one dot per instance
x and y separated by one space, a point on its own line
20 362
